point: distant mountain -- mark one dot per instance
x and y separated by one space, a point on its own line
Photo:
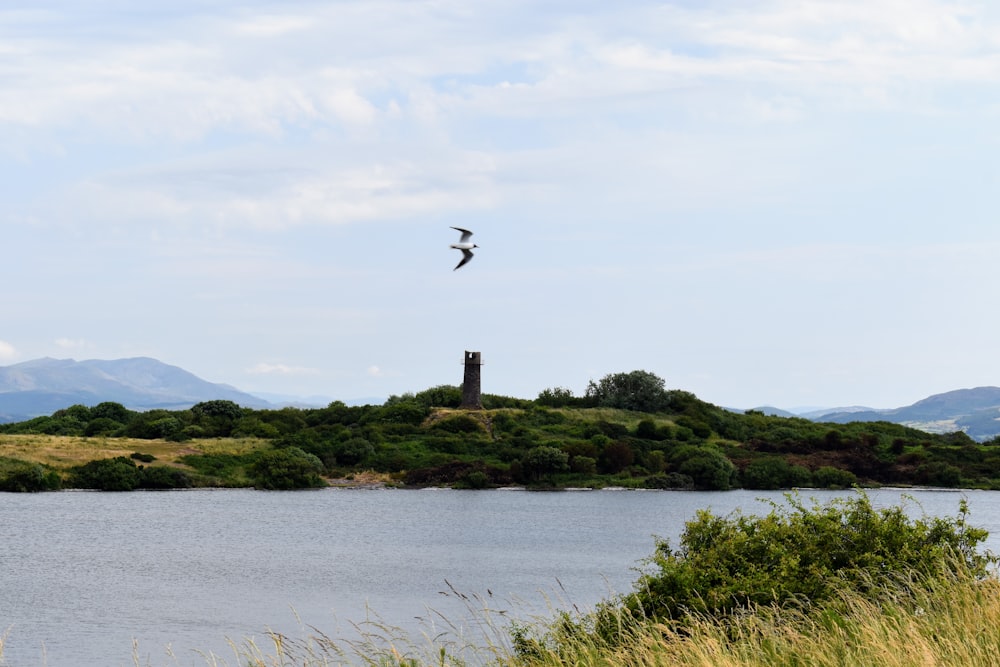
975 411
42 386
772 411
293 401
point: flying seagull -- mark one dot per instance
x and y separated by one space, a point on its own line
465 246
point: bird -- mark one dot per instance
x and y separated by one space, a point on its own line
465 246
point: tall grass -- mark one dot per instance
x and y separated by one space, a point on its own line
947 620
944 620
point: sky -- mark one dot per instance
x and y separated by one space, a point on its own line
763 202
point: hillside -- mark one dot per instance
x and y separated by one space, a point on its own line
974 411
425 439
42 386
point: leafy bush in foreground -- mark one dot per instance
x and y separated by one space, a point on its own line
796 555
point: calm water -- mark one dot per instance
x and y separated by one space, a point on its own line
83 575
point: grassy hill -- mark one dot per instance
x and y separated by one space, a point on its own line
555 441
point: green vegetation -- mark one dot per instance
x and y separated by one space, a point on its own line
627 430
835 584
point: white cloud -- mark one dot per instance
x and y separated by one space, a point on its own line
248 191
70 343
7 351
375 372
272 25
264 368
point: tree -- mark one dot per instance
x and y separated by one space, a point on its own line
639 390
556 397
217 417
541 462
113 411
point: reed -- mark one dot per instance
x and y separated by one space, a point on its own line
946 620
939 621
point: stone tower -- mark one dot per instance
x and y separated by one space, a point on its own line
471 392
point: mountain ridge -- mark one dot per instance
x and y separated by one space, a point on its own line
41 386
976 411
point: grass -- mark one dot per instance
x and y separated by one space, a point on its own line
944 622
948 624
63 452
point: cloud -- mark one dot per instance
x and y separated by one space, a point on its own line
375 372
260 191
7 351
264 368
71 343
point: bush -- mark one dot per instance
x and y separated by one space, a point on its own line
163 477
775 473
796 555
117 474
26 477
707 467
102 426
828 477
543 462
286 469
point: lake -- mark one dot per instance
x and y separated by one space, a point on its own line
83 575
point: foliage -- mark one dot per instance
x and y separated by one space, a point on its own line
542 462
116 474
636 433
774 472
796 555
707 467
25 477
558 397
286 469
122 474
917 620
641 391
828 477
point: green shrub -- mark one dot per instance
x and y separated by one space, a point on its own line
828 477
143 458
26 477
163 477
353 451
477 479
102 426
458 424
583 465
795 555
542 462
117 474
774 472
707 467
286 469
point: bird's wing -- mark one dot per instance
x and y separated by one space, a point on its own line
466 256
465 234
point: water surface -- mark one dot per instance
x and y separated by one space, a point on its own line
84 574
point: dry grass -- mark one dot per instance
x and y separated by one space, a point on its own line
949 623
63 452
